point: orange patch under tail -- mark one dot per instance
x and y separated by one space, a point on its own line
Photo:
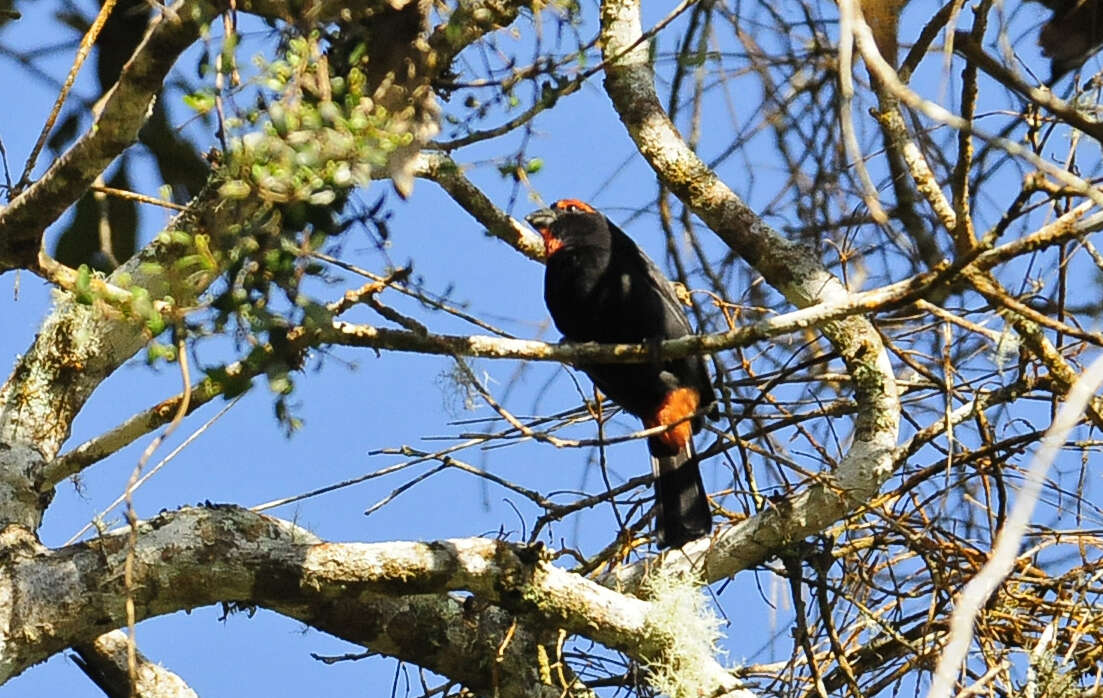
676 408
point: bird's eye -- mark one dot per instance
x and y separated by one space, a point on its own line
572 208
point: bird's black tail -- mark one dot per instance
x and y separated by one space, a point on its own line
681 508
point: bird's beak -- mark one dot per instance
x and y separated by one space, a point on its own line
542 219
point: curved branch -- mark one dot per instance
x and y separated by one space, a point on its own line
1068 226
103 445
199 556
80 345
480 346
792 271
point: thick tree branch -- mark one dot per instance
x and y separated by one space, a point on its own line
195 557
80 345
125 107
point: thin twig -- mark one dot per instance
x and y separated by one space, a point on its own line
86 44
132 516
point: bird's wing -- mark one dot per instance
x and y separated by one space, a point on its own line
675 322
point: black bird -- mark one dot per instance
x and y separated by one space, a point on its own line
1072 34
600 287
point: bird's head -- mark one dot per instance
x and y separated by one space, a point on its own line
568 223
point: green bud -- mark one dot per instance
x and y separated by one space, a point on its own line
329 112
155 323
83 287
156 351
235 189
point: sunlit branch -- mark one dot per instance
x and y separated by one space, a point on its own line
285 567
445 172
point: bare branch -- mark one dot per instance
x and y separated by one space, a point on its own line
445 172
1007 548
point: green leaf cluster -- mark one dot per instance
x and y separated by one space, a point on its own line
321 135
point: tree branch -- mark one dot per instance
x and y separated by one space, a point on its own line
445 172
104 660
125 107
483 346
56 376
198 556
967 46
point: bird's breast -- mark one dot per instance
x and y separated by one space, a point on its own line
584 298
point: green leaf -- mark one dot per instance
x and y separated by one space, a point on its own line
200 102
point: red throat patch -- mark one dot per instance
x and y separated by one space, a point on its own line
552 244
675 408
